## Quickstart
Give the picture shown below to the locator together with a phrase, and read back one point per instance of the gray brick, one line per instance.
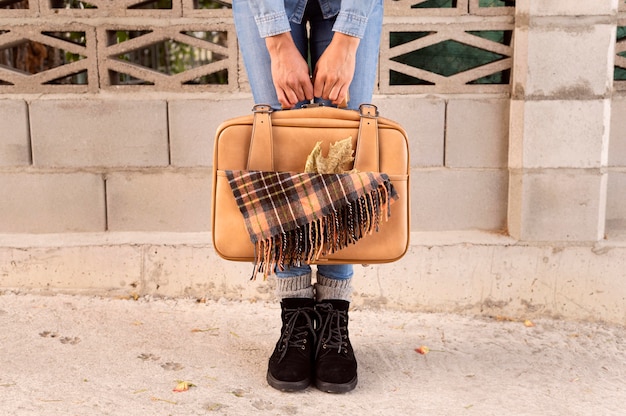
(559, 134)
(159, 201)
(477, 133)
(617, 142)
(99, 132)
(193, 124)
(616, 203)
(424, 121)
(557, 205)
(14, 134)
(551, 58)
(51, 202)
(458, 199)
(576, 8)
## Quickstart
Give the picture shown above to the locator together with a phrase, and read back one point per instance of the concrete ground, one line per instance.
(86, 355)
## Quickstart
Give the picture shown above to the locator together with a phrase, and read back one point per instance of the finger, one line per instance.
(341, 98)
(291, 103)
(324, 90)
(337, 93)
(282, 99)
(308, 89)
(321, 86)
(293, 95)
(318, 86)
(343, 103)
(299, 92)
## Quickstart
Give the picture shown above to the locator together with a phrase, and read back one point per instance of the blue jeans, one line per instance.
(257, 60)
(311, 43)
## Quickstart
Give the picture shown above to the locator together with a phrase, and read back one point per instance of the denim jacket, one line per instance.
(273, 16)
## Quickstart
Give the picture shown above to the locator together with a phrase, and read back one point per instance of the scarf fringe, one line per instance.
(327, 235)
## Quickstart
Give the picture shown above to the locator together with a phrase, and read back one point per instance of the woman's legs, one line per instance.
(366, 73)
(333, 280)
(258, 64)
(289, 365)
(295, 281)
(256, 58)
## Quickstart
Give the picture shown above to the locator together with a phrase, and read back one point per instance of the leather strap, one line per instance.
(261, 153)
(366, 157)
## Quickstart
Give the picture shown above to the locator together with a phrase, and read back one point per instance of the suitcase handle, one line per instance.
(366, 158)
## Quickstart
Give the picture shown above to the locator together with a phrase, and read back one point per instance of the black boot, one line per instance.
(335, 364)
(291, 363)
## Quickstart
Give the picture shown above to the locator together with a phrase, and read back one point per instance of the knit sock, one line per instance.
(326, 288)
(294, 287)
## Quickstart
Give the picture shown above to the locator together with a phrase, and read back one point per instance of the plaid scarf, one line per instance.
(295, 218)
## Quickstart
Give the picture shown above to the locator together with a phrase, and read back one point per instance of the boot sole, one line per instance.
(287, 386)
(336, 388)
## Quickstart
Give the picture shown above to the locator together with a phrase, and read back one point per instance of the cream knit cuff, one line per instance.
(294, 287)
(326, 288)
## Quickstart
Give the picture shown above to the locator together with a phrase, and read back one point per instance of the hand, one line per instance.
(290, 72)
(335, 69)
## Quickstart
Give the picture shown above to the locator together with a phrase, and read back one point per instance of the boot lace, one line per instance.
(334, 330)
(296, 335)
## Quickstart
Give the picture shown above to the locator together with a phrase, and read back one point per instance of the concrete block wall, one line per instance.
(518, 192)
(99, 133)
(616, 188)
(48, 202)
(176, 201)
(560, 118)
(147, 163)
(458, 159)
(109, 164)
(14, 133)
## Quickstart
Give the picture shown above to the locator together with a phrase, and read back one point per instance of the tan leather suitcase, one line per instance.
(280, 141)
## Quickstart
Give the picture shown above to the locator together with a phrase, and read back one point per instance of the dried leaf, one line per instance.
(339, 155)
(196, 330)
(311, 160)
(183, 386)
(527, 323)
(133, 296)
(422, 350)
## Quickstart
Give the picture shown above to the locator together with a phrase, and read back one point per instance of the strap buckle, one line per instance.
(368, 111)
(262, 108)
